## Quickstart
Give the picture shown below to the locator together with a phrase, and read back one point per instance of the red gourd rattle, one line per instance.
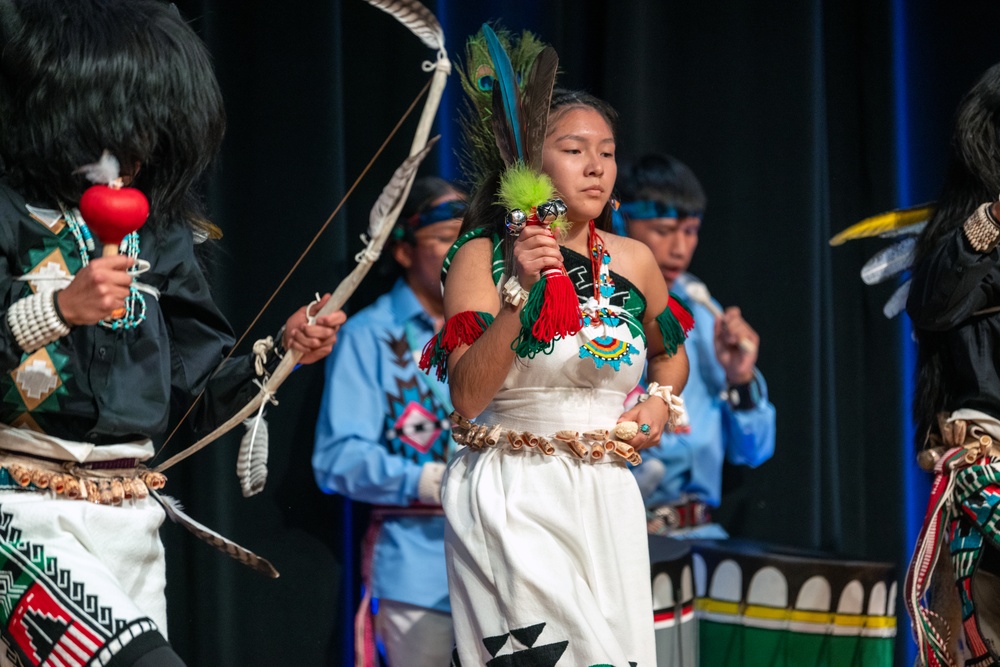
(111, 210)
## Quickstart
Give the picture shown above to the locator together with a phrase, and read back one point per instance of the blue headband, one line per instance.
(449, 210)
(648, 209)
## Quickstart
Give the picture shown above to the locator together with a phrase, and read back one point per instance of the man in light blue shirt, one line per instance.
(730, 417)
(383, 436)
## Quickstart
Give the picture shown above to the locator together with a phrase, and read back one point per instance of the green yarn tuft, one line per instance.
(523, 188)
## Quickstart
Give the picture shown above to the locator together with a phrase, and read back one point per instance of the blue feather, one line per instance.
(507, 80)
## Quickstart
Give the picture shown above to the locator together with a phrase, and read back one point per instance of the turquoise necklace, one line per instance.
(135, 302)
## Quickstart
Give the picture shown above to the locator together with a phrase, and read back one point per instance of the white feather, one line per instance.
(105, 171)
(889, 262)
(176, 513)
(698, 292)
(251, 462)
(897, 302)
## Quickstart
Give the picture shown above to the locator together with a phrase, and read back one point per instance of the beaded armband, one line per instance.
(982, 229)
(463, 328)
(675, 322)
(35, 321)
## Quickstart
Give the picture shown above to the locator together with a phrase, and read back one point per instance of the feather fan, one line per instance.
(895, 259)
(479, 155)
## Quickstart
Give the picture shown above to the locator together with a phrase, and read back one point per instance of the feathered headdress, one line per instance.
(510, 104)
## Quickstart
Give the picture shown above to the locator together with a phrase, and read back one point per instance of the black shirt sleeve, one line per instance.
(952, 283)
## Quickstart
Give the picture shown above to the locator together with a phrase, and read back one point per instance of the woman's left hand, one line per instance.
(652, 412)
(314, 340)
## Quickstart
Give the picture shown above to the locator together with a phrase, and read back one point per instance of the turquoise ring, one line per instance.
(644, 428)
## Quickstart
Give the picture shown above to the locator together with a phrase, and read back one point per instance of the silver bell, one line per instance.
(560, 207)
(516, 219)
(547, 211)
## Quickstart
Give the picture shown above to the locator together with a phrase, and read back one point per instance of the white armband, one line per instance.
(35, 321)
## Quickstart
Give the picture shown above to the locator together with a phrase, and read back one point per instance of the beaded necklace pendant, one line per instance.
(599, 318)
(135, 302)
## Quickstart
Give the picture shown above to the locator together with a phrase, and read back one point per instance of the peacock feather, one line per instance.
(480, 156)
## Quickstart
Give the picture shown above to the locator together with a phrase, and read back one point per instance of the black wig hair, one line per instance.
(129, 76)
(973, 177)
(664, 179)
(484, 211)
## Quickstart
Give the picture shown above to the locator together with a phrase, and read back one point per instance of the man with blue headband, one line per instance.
(730, 416)
(383, 438)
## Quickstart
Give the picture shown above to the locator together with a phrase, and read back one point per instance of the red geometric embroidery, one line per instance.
(48, 633)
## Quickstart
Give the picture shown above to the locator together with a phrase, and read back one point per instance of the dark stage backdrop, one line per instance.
(790, 113)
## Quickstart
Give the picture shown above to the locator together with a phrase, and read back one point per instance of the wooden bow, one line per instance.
(422, 23)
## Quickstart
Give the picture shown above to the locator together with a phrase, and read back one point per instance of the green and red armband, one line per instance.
(675, 322)
(463, 328)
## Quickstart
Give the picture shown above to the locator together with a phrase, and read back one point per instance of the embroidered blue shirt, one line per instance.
(693, 461)
(380, 421)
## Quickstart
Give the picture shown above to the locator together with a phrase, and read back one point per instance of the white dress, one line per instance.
(547, 554)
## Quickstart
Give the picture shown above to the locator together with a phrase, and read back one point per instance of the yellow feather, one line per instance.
(885, 222)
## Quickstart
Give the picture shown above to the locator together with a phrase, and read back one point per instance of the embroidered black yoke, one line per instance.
(104, 386)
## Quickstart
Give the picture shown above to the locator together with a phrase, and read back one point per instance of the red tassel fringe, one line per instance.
(560, 314)
(560, 311)
(681, 313)
(460, 329)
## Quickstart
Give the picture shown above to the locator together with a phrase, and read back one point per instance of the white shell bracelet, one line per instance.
(35, 322)
(513, 293)
(678, 415)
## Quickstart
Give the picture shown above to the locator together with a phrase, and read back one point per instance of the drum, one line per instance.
(674, 620)
(759, 606)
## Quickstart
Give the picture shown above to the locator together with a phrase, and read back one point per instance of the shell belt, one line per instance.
(106, 482)
(587, 445)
